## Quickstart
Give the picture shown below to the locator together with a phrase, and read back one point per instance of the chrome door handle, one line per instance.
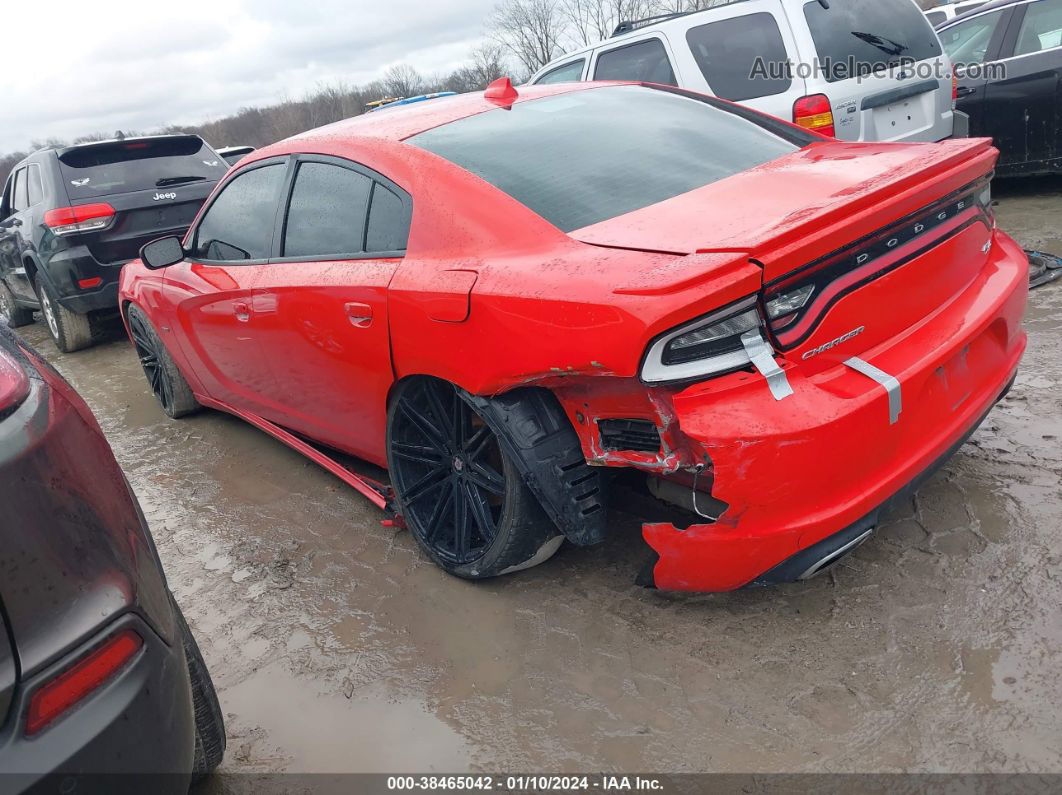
(242, 311)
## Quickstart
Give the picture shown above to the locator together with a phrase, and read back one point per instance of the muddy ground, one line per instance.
(336, 645)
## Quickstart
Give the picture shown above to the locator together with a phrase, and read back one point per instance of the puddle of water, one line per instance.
(329, 733)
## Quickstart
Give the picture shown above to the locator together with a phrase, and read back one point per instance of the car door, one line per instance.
(321, 307)
(210, 295)
(14, 231)
(648, 60)
(973, 45)
(1024, 103)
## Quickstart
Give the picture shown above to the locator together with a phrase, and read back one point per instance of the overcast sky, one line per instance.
(117, 64)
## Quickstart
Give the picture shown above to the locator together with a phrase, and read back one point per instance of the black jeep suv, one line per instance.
(71, 216)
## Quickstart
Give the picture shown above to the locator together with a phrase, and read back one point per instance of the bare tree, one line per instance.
(402, 80)
(592, 20)
(530, 29)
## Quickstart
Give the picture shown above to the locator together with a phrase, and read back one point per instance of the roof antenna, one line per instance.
(501, 92)
(825, 4)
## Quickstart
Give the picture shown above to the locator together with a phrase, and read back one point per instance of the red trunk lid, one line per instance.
(793, 210)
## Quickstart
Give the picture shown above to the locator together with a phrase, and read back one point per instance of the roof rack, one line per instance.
(635, 24)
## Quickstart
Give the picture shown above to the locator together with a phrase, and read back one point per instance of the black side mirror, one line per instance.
(162, 253)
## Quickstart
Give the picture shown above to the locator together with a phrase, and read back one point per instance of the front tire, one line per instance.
(167, 384)
(460, 494)
(70, 331)
(10, 312)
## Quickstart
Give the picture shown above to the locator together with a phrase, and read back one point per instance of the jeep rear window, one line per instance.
(854, 37)
(584, 157)
(124, 166)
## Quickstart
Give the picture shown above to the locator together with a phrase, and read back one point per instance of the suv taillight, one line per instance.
(954, 90)
(74, 220)
(14, 385)
(814, 113)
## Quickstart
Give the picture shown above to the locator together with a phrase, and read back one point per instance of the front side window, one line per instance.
(326, 216)
(967, 42)
(238, 225)
(856, 37)
(568, 73)
(587, 156)
(1041, 29)
(645, 62)
(741, 58)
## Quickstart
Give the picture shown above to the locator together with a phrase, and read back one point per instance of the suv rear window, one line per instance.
(125, 166)
(854, 37)
(588, 156)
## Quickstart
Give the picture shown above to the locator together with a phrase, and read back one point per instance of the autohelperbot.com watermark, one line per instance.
(835, 70)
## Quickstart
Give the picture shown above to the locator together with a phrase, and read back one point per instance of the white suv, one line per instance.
(845, 77)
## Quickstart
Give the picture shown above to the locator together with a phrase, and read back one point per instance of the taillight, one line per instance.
(59, 695)
(74, 220)
(814, 113)
(954, 90)
(14, 385)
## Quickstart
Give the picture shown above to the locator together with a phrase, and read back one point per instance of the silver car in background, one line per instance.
(860, 70)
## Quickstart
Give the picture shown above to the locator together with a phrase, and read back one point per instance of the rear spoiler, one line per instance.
(141, 139)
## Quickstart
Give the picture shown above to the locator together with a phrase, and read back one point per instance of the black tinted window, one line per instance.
(388, 222)
(1041, 29)
(741, 57)
(20, 200)
(854, 37)
(967, 42)
(326, 216)
(563, 74)
(645, 61)
(34, 188)
(239, 223)
(936, 17)
(583, 157)
(138, 164)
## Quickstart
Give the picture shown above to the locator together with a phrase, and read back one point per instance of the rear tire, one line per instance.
(461, 496)
(10, 312)
(209, 721)
(70, 331)
(166, 382)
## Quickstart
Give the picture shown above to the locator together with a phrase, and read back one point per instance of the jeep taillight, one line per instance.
(814, 113)
(75, 220)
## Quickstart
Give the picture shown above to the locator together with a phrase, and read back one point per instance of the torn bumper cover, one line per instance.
(817, 467)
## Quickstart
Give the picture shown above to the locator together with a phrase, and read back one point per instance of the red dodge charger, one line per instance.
(508, 298)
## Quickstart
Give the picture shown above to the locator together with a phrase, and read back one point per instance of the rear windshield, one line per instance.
(585, 157)
(855, 37)
(124, 166)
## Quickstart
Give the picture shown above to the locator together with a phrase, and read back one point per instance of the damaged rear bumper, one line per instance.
(813, 471)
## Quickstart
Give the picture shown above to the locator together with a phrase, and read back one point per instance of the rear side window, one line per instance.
(1041, 29)
(567, 73)
(326, 216)
(588, 156)
(238, 225)
(736, 56)
(145, 164)
(967, 42)
(34, 187)
(645, 61)
(388, 222)
(855, 37)
(20, 200)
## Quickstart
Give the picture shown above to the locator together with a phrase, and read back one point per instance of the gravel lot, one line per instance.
(336, 646)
